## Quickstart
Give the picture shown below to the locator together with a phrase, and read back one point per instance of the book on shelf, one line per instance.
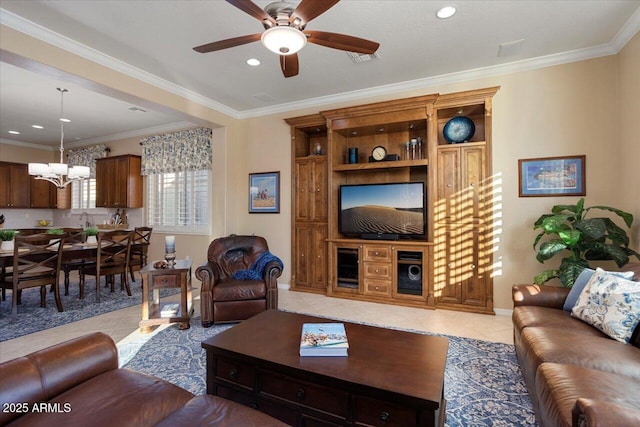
(323, 339)
(169, 310)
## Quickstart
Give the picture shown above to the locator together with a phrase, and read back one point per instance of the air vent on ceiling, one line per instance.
(512, 48)
(362, 57)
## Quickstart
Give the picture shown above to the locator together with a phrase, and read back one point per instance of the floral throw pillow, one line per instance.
(611, 304)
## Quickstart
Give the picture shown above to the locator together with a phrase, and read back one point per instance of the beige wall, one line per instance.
(589, 107)
(628, 114)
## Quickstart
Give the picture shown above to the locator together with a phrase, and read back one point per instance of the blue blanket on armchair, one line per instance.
(256, 271)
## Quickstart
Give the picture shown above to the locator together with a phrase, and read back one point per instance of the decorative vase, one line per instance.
(459, 129)
(7, 245)
(92, 240)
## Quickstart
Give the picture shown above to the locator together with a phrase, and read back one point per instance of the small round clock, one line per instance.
(379, 153)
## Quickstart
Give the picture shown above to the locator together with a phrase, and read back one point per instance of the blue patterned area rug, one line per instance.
(39, 319)
(483, 382)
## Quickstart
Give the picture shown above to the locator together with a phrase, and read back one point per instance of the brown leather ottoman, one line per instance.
(208, 410)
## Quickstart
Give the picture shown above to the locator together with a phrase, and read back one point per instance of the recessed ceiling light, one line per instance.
(446, 12)
(254, 62)
(37, 127)
(14, 132)
(62, 119)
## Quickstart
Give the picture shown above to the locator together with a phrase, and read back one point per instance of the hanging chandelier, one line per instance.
(59, 174)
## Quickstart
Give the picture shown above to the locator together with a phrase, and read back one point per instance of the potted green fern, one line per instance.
(7, 236)
(583, 238)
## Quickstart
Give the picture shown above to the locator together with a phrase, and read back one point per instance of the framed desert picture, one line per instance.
(552, 176)
(264, 192)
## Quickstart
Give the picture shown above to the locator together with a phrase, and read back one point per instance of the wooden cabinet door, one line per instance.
(120, 179)
(302, 186)
(318, 196)
(448, 183)
(302, 256)
(103, 178)
(5, 185)
(319, 260)
(472, 175)
(464, 275)
(460, 175)
(310, 256)
(43, 194)
(15, 187)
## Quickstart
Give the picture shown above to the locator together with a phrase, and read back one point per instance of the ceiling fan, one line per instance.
(285, 32)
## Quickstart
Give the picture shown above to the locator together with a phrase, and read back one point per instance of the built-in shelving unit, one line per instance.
(448, 266)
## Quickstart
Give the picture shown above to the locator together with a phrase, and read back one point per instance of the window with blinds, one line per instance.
(83, 194)
(179, 201)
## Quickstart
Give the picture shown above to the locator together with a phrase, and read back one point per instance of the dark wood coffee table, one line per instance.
(389, 378)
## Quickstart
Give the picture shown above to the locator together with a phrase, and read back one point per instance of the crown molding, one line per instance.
(457, 77)
(628, 30)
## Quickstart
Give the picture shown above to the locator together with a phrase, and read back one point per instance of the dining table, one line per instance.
(69, 251)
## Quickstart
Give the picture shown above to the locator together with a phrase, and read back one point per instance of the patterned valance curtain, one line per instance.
(87, 157)
(186, 150)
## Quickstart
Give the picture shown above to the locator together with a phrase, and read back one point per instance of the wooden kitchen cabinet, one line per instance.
(43, 194)
(14, 185)
(118, 182)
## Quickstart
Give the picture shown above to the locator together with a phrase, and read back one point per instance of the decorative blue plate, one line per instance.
(459, 129)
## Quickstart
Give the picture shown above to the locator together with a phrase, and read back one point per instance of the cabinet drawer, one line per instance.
(314, 396)
(284, 414)
(377, 287)
(165, 281)
(235, 372)
(377, 270)
(374, 412)
(377, 253)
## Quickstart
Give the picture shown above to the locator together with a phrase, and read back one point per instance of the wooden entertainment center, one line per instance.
(450, 266)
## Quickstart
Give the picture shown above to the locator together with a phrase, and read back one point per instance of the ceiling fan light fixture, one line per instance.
(283, 40)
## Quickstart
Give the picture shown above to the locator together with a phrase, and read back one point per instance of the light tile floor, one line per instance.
(122, 325)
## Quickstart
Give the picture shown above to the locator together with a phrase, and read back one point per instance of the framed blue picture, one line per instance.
(552, 176)
(264, 192)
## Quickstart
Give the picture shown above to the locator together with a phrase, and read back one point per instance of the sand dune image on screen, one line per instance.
(381, 219)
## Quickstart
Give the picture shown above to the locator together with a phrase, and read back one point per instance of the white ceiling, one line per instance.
(153, 41)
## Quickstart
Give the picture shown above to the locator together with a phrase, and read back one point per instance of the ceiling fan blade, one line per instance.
(224, 44)
(249, 7)
(341, 41)
(309, 9)
(289, 65)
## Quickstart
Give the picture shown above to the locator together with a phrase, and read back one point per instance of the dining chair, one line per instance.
(72, 236)
(36, 263)
(139, 247)
(112, 258)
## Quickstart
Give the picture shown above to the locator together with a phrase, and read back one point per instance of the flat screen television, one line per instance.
(382, 211)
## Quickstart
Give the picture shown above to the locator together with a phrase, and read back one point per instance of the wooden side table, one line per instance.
(154, 279)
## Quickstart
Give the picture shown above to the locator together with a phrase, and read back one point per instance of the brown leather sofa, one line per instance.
(225, 298)
(575, 374)
(78, 383)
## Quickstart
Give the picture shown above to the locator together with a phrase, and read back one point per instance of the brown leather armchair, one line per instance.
(239, 280)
